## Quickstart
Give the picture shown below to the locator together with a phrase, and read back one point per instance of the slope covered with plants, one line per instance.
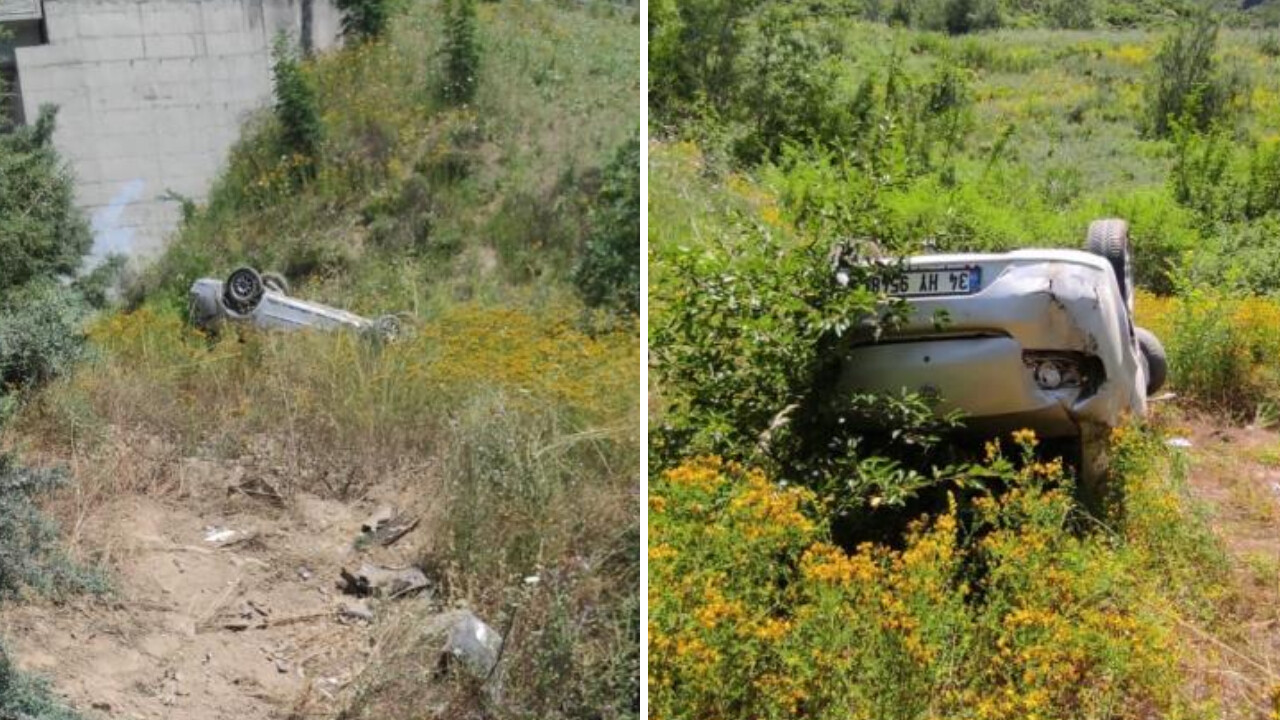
(471, 167)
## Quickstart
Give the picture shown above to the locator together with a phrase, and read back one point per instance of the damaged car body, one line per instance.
(1039, 339)
(263, 300)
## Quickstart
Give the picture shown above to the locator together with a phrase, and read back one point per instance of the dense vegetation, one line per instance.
(462, 166)
(43, 240)
(897, 574)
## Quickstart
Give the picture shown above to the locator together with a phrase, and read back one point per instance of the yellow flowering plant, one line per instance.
(994, 606)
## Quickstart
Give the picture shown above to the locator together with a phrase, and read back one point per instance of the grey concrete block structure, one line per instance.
(152, 95)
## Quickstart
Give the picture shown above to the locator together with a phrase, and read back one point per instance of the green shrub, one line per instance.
(1221, 344)
(297, 112)
(42, 232)
(609, 271)
(745, 346)
(966, 16)
(364, 19)
(694, 51)
(1187, 83)
(461, 52)
(30, 553)
(1201, 177)
(23, 696)
(788, 87)
(1071, 14)
(41, 334)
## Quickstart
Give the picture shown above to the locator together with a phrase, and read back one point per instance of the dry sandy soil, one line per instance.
(251, 627)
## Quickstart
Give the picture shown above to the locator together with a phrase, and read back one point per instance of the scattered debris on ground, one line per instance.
(376, 581)
(223, 610)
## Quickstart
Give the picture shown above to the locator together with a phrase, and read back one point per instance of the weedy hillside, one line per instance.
(473, 168)
(898, 575)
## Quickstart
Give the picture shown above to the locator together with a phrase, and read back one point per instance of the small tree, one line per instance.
(363, 19)
(42, 233)
(461, 52)
(609, 273)
(1187, 84)
(297, 110)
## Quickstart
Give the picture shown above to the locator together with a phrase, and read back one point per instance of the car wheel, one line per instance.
(275, 282)
(388, 327)
(1110, 239)
(243, 290)
(1157, 362)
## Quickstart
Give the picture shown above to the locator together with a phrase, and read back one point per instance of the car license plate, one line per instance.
(935, 281)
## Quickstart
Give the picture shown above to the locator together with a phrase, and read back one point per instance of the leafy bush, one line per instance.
(364, 19)
(609, 271)
(789, 84)
(965, 16)
(42, 232)
(41, 334)
(745, 345)
(22, 696)
(297, 111)
(461, 52)
(1187, 83)
(694, 50)
(30, 553)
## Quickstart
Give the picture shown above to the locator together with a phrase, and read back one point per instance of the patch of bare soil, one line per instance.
(226, 605)
(1234, 473)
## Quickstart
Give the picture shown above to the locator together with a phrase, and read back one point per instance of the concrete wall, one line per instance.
(152, 95)
(19, 10)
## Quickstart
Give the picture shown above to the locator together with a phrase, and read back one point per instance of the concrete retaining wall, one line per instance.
(152, 95)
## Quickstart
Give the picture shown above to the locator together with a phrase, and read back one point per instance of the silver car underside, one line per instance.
(272, 308)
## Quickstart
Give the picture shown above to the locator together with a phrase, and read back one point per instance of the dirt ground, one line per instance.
(1234, 474)
(241, 628)
(172, 641)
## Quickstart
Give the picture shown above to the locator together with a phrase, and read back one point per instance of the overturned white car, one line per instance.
(1039, 339)
(264, 301)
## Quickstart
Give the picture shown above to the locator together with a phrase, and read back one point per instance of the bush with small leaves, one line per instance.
(42, 232)
(297, 111)
(609, 272)
(461, 53)
(363, 19)
(1188, 84)
(40, 333)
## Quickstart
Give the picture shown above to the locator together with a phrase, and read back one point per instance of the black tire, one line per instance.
(388, 327)
(1110, 239)
(1157, 362)
(243, 290)
(275, 282)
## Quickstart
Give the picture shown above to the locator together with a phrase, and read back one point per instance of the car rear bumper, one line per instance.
(973, 360)
(984, 378)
